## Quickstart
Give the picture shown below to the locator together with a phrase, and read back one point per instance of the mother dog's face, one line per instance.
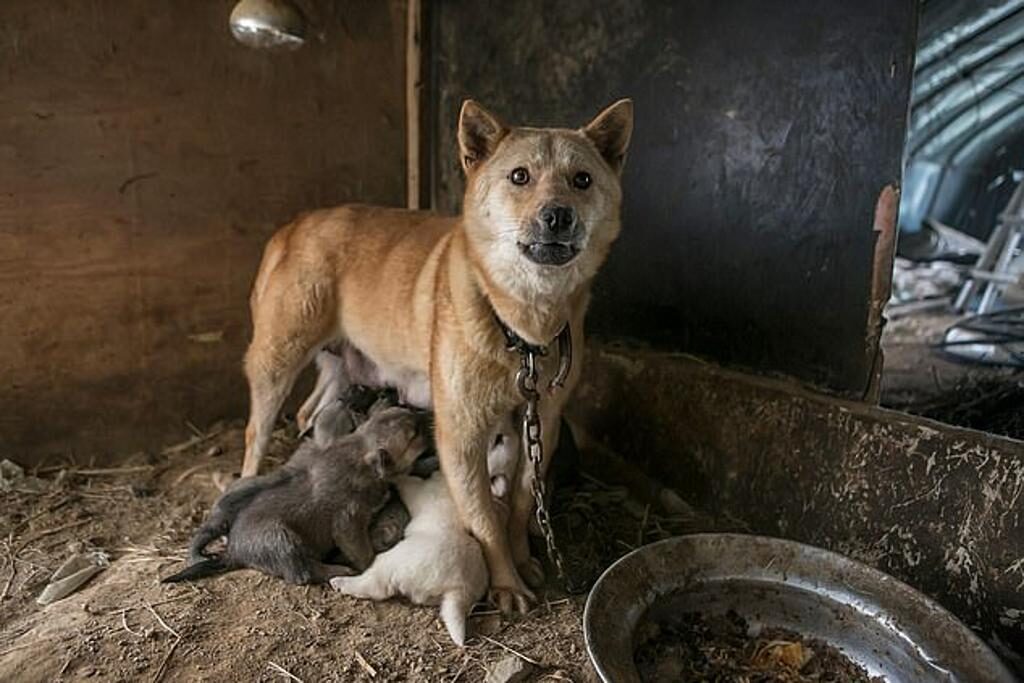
(542, 204)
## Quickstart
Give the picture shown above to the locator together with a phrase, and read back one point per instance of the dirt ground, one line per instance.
(919, 379)
(125, 625)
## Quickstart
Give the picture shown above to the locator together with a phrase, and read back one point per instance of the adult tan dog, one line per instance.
(410, 299)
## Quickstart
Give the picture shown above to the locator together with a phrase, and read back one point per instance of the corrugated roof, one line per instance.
(967, 98)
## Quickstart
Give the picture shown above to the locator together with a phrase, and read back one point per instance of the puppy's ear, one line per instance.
(610, 132)
(480, 131)
(380, 462)
(332, 424)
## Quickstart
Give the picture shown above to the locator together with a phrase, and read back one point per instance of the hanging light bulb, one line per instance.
(268, 24)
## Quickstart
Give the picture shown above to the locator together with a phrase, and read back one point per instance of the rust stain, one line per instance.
(886, 211)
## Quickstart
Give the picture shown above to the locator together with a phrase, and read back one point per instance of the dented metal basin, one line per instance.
(877, 621)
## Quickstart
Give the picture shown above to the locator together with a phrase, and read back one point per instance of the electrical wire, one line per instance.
(1003, 329)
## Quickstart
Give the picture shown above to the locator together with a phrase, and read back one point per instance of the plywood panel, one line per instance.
(145, 157)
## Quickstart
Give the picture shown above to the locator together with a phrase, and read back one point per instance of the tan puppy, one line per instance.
(409, 299)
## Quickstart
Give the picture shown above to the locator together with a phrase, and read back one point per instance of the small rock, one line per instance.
(10, 473)
(13, 477)
(214, 451)
(512, 669)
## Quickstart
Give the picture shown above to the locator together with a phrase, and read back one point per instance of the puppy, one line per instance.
(436, 563)
(427, 304)
(503, 459)
(345, 374)
(287, 522)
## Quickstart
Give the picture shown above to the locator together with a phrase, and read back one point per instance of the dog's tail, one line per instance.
(199, 570)
(455, 606)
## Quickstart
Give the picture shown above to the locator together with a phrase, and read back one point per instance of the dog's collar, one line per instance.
(513, 342)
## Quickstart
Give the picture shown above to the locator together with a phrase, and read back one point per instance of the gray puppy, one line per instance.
(287, 522)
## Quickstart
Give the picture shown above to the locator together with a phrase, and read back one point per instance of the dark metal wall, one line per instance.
(765, 133)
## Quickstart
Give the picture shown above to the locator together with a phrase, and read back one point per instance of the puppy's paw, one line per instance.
(340, 583)
(339, 570)
(532, 572)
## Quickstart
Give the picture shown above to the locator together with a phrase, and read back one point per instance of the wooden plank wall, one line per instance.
(145, 157)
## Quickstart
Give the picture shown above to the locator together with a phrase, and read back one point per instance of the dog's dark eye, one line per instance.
(581, 180)
(519, 176)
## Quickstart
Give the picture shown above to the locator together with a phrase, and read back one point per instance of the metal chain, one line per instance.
(526, 381)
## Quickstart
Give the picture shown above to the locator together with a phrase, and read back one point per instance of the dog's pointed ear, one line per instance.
(610, 132)
(380, 462)
(480, 131)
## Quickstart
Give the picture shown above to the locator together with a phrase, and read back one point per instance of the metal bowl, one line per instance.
(882, 624)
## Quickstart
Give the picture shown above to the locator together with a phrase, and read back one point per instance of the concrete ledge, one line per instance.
(937, 506)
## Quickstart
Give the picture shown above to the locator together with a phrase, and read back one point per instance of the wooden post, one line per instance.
(413, 106)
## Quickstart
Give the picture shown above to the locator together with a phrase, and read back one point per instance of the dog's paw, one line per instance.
(510, 601)
(340, 583)
(532, 572)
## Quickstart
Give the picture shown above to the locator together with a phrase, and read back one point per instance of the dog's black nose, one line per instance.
(557, 223)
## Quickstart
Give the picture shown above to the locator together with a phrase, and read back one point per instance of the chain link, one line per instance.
(532, 436)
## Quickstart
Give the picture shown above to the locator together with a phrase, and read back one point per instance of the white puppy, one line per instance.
(437, 562)
(503, 458)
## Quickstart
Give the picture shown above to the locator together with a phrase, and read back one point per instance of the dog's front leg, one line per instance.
(523, 503)
(461, 431)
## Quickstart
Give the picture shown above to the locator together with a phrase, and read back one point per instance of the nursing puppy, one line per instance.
(436, 563)
(503, 459)
(287, 522)
(413, 300)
